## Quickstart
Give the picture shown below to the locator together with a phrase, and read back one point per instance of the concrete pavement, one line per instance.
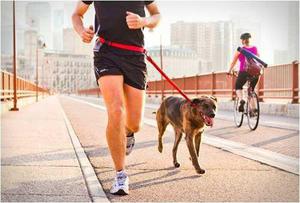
(153, 178)
(39, 162)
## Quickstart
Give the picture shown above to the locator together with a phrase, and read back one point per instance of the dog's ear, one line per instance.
(196, 101)
(214, 98)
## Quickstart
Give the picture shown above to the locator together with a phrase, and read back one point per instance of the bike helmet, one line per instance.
(245, 36)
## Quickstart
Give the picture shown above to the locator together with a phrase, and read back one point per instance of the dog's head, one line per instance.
(205, 107)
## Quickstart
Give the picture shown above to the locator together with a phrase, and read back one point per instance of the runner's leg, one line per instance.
(111, 87)
(134, 106)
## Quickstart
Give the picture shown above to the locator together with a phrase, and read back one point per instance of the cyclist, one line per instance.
(243, 75)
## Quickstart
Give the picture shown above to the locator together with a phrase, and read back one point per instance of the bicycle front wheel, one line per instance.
(253, 111)
(238, 116)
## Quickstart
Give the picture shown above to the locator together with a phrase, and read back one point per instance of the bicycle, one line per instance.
(252, 110)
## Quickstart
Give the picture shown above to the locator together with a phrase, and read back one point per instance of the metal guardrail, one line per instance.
(24, 88)
(277, 82)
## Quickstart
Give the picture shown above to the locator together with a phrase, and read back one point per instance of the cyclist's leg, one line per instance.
(253, 82)
(111, 87)
(240, 82)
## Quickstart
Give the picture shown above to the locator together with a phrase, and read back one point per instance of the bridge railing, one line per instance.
(277, 82)
(24, 88)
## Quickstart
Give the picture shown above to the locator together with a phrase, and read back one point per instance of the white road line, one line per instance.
(94, 187)
(288, 126)
(274, 159)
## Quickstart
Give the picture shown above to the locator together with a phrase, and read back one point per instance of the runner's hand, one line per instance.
(87, 34)
(134, 21)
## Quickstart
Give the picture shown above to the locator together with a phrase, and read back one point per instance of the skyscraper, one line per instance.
(211, 40)
(38, 17)
(293, 31)
(72, 43)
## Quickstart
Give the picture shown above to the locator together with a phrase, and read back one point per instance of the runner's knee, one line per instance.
(116, 113)
(134, 127)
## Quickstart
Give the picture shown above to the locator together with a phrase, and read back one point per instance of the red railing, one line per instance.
(24, 88)
(277, 82)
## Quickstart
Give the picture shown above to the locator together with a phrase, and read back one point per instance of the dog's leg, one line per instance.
(178, 135)
(198, 142)
(190, 145)
(162, 125)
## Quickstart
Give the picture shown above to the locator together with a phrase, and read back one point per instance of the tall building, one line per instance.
(293, 31)
(66, 73)
(72, 43)
(177, 62)
(30, 46)
(211, 40)
(58, 23)
(38, 17)
(6, 27)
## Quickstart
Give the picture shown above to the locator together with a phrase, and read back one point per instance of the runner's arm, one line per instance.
(154, 17)
(86, 34)
(134, 21)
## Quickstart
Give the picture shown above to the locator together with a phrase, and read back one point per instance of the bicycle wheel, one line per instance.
(253, 111)
(238, 116)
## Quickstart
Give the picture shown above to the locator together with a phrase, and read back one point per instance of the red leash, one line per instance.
(142, 50)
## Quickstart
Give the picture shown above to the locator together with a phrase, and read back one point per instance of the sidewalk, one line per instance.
(39, 162)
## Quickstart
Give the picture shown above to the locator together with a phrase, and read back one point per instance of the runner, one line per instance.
(243, 74)
(121, 74)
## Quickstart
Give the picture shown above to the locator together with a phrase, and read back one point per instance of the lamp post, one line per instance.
(15, 108)
(40, 45)
(161, 65)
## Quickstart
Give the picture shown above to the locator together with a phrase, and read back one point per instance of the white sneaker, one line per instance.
(120, 186)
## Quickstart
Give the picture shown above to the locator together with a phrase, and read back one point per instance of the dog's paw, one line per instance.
(177, 165)
(160, 149)
(200, 171)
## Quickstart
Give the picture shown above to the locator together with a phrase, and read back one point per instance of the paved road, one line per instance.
(153, 178)
(279, 134)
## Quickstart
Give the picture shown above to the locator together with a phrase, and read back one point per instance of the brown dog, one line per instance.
(187, 119)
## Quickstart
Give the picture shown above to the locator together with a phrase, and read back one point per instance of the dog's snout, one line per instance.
(212, 115)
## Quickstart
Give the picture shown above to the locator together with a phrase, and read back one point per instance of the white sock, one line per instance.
(121, 173)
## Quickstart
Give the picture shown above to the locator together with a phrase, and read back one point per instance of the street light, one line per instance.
(40, 45)
(15, 108)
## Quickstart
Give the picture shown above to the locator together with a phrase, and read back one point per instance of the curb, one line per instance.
(95, 189)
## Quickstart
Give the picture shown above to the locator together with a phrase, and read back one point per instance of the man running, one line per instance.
(121, 74)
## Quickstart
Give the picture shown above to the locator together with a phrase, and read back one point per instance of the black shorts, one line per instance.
(132, 67)
(242, 79)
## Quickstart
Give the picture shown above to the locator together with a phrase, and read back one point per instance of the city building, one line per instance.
(65, 72)
(281, 56)
(38, 17)
(177, 62)
(212, 41)
(72, 43)
(293, 31)
(58, 23)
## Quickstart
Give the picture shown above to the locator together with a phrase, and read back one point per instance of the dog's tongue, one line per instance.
(209, 121)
